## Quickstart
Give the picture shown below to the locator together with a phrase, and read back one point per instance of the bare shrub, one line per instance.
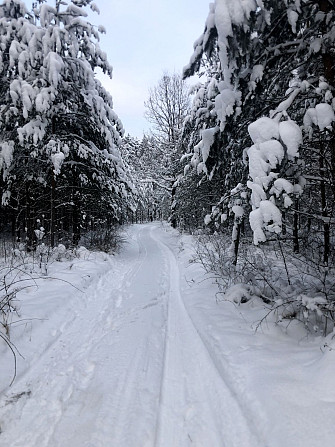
(11, 282)
(20, 269)
(290, 285)
(108, 240)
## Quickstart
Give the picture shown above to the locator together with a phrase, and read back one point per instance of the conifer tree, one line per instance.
(59, 133)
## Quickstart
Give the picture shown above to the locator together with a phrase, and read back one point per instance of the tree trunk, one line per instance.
(328, 59)
(29, 221)
(76, 224)
(173, 219)
(52, 211)
(236, 238)
(324, 212)
(296, 247)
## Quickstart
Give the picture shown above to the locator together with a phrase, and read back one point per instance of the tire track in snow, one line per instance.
(122, 366)
(140, 323)
(197, 405)
(78, 307)
(128, 361)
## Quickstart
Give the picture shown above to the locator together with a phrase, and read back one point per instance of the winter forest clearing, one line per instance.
(177, 289)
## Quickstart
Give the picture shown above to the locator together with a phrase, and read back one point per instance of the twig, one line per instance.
(10, 345)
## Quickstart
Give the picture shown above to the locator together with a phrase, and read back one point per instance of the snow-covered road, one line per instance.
(144, 356)
(128, 368)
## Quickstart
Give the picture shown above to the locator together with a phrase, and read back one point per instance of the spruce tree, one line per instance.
(60, 136)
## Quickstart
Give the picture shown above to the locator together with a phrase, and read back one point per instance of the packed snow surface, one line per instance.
(134, 350)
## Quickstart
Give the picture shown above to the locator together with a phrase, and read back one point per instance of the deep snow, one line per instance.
(135, 350)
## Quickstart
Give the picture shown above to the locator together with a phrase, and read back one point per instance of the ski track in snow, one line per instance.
(197, 406)
(128, 369)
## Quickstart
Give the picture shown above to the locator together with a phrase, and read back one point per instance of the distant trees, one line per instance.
(167, 108)
(59, 136)
(143, 160)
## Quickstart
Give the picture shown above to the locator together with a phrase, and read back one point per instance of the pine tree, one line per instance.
(60, 135)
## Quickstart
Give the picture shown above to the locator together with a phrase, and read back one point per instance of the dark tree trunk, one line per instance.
(29, 220)
(324, 212)
(237, 238)
(296, 247)
(76, 224)
(52, 211)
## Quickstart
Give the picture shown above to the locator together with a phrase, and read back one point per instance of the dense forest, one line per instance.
(244, 158)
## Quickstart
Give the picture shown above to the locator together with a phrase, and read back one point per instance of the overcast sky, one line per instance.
(145, 38)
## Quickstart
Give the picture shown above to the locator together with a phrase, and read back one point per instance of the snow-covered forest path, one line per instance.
(129, 368)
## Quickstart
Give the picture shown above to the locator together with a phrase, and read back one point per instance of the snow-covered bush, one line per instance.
(8, 291)
(289, 285)
(215, 254)
(274, 179)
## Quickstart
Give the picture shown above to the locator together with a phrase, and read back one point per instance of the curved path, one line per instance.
(130, 369)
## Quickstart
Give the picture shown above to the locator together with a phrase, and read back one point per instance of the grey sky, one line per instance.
(145, 38)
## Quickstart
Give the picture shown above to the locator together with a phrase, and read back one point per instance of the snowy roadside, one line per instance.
(46, 305)
(284, 378)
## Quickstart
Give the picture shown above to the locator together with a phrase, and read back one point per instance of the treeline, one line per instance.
(249, 152)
